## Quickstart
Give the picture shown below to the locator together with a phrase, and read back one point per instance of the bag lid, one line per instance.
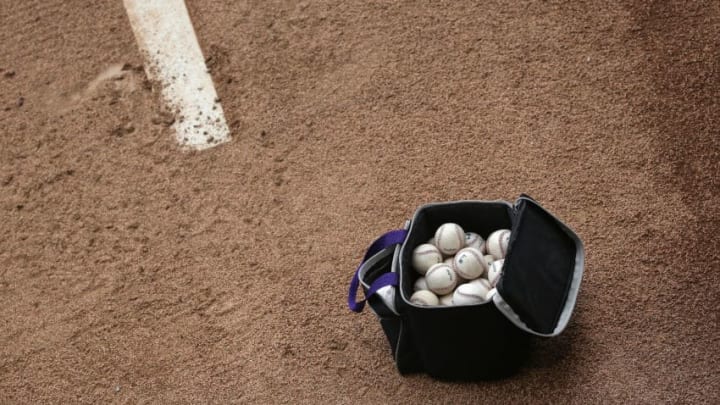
(542, 271)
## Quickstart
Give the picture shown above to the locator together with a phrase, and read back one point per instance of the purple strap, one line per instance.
(385, 241)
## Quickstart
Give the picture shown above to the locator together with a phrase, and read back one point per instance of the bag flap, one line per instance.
(542, 271)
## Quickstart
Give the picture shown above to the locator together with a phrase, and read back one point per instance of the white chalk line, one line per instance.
(166, 38)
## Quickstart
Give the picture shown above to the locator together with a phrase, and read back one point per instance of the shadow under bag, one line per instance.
(536, 292)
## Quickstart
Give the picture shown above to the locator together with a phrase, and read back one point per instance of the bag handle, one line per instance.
(385, 241)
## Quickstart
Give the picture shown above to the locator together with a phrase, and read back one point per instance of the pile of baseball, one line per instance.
(458, 267)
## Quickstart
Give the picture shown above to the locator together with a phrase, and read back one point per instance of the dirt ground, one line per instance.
(134, 272)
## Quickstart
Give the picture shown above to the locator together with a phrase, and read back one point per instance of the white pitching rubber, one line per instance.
(167, 40)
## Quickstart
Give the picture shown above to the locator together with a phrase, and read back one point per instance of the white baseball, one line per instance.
(450, 261)
(474, 240)
(446, 300)
(441, 279)
(420, 284)
(497, 243)
(425, 256)
(488, 259)
(449, 238)
(469, 263)
(468, 294)
(483, 283)
(494, 271)
(424, 298)
(491, 293)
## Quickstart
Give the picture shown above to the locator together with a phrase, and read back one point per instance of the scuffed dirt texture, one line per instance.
(132, 271)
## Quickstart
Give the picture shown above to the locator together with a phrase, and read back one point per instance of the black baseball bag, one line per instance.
(535, 293)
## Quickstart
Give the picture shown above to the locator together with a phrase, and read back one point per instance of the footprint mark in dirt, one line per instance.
(116, 81)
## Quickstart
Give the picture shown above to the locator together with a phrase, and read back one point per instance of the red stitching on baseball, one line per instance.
(475, 255)
(438, 238)
(421, 253)
(470, 295)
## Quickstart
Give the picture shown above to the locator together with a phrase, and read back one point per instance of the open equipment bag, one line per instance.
(536, 291)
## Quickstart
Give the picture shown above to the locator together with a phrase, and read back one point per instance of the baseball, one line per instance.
(494, 271)
(497, 243)
(483, 284)
(441, 279)
(449, 238)
(488, 259)
(474, 240)
(424, 298)
(450, 261)
(425, 256)
(420, 284)
(446, 300)
(468, 294)
(469, 263)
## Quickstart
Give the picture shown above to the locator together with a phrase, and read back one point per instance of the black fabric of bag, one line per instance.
(538, 268)
(467, 342)
(392, 324)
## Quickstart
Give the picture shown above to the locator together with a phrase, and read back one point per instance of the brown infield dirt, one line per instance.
(134, 272)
